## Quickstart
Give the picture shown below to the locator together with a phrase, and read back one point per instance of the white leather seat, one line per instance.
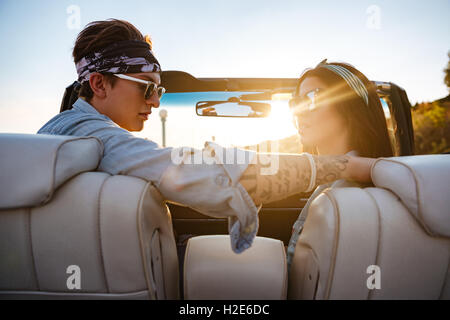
(56, 213)
(402, 226)
(212, 271)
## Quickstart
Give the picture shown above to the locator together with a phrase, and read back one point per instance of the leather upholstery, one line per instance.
(34, 166)
(350, 229)
(416, 183)
(117, 229)
(212, 271)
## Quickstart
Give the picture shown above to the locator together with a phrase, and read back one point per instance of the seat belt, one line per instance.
(298, 225)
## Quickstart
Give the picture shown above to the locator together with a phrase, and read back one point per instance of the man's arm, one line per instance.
(294, 174)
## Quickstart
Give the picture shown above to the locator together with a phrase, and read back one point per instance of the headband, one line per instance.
(130, 56)
(353, 81)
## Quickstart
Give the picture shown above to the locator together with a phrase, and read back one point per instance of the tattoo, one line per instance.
(330, 168)
(293, 176)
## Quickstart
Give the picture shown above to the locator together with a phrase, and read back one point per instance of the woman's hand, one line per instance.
(359, 169)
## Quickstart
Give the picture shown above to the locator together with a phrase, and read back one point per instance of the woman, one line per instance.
(337, 111)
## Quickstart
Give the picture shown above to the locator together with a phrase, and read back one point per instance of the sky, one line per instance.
(402, 41)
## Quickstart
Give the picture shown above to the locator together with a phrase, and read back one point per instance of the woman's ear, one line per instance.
(98, 85)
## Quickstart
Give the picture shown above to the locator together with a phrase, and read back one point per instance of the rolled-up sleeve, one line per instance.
(208, 181)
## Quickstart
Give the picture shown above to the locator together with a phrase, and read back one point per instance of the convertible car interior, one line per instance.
(124, 241)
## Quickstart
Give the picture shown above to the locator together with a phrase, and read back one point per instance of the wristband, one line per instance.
(312, 181)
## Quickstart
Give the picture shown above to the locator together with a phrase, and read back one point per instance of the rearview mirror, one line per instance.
(234, 108)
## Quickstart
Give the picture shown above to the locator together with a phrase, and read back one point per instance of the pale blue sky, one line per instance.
(225, 38)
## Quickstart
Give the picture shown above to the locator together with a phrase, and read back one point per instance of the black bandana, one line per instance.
(131, 56)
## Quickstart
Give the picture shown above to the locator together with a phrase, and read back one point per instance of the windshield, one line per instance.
(185, 128)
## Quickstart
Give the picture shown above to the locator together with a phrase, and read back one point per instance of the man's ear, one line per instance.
(98, 85)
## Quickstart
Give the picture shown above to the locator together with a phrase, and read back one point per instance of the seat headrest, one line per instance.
(33, 166)
(423, 185)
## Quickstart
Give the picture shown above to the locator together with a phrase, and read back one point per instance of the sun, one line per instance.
(280, 120)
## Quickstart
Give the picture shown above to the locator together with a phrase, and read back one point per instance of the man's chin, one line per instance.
(135, 127)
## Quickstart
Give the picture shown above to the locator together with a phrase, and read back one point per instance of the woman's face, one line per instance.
(322, 127)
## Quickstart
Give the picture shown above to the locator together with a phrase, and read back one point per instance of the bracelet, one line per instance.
(312, 181)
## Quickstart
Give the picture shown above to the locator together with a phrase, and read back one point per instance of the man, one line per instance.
(120, 86)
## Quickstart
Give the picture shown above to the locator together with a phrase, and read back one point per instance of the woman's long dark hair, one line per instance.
(367, 126)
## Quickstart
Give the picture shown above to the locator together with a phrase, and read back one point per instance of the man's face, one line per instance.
(125, 103)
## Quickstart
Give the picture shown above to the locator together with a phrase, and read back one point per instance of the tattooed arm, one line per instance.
(294, 173)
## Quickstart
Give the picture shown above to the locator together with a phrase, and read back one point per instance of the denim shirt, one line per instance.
(211, 186)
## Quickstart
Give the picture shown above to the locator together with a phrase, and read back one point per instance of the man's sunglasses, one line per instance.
(150, 88)
(308, 102)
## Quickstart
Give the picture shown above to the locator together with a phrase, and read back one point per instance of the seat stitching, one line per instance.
(186, 263)
(55, 158)
(162, 265)
(32, 251)
(81, 295)
(329, 194)
(102, 259)
(419, 203)
(140, 225)
(377, 255)
(161, 206)
(285, 274)
(316, 261)
(446, 278)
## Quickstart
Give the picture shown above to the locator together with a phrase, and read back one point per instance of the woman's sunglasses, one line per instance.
(150, 88)
(308, 102)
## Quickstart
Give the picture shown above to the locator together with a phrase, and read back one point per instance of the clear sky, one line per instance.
(402, 41)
